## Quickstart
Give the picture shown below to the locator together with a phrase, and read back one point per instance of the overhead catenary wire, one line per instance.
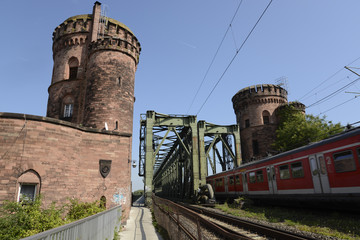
(332, 94)
(337, 105)
(327, 79)
(213, 59)
(237, 51)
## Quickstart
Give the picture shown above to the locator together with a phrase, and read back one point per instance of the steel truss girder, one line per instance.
(219, 133)
(173, 155)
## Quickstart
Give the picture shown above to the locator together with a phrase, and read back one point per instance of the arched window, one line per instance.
(103, 202)
(73, 67)
(28, 186)
(266, 117)
(67, 107)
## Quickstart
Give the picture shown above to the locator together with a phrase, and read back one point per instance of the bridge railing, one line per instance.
(97, 227)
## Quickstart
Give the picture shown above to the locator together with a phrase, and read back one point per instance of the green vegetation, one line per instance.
(332, 224)
(297, 129)
(137, 194)
(162, 231)
(19, 220)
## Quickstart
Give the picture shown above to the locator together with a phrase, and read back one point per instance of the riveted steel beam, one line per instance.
(174, 152)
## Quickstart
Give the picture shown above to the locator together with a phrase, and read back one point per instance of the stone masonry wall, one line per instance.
(110, 91)
(66, 159)
(250, 105)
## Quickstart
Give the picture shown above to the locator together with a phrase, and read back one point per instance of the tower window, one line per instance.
(118, 80)
(68, 110)
(27, 192)
(28, 186)
(73, 67)
(73, 72)
(255, 146)
(266, 117)
(247, 123)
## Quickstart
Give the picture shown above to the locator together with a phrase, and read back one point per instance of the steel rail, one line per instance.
(171, 208)
(254, 227)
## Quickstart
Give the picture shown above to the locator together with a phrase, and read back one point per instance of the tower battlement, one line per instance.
(95, 60)
(257, 94)
(117, 44)
(255, 107)
(260, 90)
(75, 24)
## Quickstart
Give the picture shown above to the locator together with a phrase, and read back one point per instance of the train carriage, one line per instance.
(326, 171)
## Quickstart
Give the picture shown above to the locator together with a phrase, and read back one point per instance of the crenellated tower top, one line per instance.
(95, 60)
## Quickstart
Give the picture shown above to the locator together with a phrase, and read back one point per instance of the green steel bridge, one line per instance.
(177, 151)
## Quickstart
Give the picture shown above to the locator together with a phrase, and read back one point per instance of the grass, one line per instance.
(162, 231)
(330, 223)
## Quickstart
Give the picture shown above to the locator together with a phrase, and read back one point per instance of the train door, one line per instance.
(323, 173)
(319, 173)
(271, 179)
(245, 185)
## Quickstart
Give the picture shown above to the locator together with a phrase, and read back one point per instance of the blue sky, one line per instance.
(305, 41)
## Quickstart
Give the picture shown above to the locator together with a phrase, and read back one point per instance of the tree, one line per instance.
(297, 129)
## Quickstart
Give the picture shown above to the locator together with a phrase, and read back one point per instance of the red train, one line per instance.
(323, 172)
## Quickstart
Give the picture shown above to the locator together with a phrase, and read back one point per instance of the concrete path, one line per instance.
(139, 225)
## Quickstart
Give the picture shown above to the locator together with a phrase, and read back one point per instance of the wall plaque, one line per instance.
(104, 167)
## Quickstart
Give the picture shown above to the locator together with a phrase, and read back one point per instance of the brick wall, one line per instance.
(66, 159)
(250, 105)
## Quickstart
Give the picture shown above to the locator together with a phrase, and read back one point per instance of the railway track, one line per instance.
(200, 223)
(246, 228)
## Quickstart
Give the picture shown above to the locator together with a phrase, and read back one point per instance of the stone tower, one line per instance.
(255, 114)
(95, 60)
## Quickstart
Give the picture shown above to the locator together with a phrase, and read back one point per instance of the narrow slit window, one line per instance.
(255, 146)
(73, 67)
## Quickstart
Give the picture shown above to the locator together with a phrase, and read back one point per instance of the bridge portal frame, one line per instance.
(182, 167)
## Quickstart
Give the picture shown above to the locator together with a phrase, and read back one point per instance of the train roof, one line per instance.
(346, 134)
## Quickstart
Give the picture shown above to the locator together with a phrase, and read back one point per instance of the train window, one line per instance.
(252, 177)
(220, 182)
(284, 172)
(358, 150)
(231, 180)
(237, 180)
(344, 161)
(297, 170)
(259, 176)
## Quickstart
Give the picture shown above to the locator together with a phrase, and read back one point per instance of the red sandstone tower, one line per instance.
(95, 60)
(255, 114)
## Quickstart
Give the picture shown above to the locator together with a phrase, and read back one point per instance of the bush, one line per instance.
(19, 220)
(78, 210)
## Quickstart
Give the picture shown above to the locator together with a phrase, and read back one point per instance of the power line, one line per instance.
(338, 105)
(213, 59)
(237, 51)
(333, 75)
(332, 94)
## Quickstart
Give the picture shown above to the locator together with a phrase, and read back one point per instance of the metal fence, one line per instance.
(100, 226)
